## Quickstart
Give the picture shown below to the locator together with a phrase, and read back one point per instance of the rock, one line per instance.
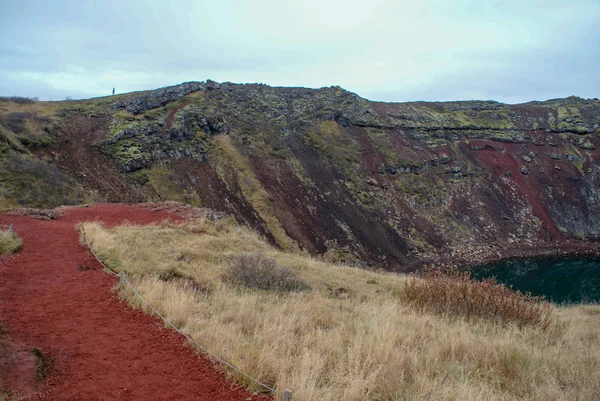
(557, 156)
(159, 97)
(212, 85)
(526, 158)
(524, 170)
(444, 159)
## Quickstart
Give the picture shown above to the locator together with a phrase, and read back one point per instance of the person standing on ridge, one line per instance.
(113, 91)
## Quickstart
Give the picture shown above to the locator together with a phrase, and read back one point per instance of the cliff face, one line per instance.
(324, 170)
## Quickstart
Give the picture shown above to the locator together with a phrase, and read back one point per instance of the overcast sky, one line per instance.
(507, 50)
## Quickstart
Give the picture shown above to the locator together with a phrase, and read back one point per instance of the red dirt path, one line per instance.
(101, 349)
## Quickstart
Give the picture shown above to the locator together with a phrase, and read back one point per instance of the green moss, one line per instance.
(507, 136)
(128, 153)
(579, 159)
(336, 145)
(138, 178)
(419, 191)
(9, 141)
(562, 112)
(382, 142)
(570, 119)
(35, 140)
(436, 143)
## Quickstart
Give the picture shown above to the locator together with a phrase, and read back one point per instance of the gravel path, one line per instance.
(54, 296)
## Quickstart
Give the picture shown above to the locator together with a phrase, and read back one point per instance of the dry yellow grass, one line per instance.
(11, 243)
(360, 343)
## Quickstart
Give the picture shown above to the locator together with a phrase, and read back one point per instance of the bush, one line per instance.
(453, 292)
(17, 121)
(259, 272)
(18, 99)
(31, 182)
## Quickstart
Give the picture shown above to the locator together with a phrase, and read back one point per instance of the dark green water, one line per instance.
(559, 279)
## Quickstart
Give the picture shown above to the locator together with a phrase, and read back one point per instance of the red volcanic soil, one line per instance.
(55, 297)
(171, 116)
(499, 162)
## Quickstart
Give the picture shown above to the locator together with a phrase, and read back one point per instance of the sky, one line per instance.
(510, 50)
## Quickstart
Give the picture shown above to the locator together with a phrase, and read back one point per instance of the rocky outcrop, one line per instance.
(158, 98)
(141, 144)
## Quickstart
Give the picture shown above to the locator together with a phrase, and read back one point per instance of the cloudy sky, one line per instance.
(506, 50)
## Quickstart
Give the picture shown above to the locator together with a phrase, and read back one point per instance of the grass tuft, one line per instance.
(11, 244)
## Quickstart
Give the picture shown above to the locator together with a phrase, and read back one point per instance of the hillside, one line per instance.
(332, 332)
(368, 183)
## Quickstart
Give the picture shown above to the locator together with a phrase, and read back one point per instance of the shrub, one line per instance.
(18, 99)
(17, 121)
(256, 271)
(452, 292)
(31, 182)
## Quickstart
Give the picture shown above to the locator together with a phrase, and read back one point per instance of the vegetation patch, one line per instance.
(31, 182)
(18, 99)
(232, 166)
(29, 127)
(454, 293)
(44, 363)
(169, 186)
(356, 335)
(11, 242)
(259, 272)
(337, 145)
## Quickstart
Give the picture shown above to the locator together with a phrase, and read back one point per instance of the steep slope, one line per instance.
(324, 170)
